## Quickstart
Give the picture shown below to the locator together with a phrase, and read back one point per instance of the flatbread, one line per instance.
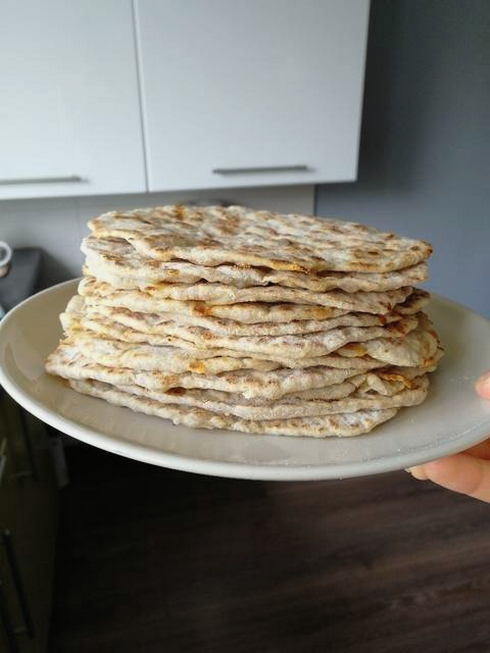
(417, 349)
(215, 293)
(116, 261)
(69, 361)
(214, 235)
(114, 353)
(99, 293)
(342, 424)
(293, 346)
(248, 320)
(341, 397)
(154, 323)
(187, 337)
(256, 385)
(287, 407)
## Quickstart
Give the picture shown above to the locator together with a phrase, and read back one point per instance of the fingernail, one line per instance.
(482, 386)
(418, 472)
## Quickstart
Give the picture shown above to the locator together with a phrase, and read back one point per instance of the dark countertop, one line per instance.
(23, 278)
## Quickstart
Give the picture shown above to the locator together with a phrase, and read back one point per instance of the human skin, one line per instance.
(467, 472)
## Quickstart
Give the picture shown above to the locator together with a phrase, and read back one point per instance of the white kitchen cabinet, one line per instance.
(251, 92)
(106, 98)
(70, 120)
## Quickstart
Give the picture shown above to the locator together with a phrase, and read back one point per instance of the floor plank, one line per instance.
(154, 560)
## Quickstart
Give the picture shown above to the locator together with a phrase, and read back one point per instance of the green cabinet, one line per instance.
(28, 522)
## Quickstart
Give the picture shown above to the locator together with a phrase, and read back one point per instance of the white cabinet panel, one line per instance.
(69, 99)
(228, 87)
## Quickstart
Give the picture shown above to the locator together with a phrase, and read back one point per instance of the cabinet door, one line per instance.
(28, 511)
(69, 111)
(251, 92)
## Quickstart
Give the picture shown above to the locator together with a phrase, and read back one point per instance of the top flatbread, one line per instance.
(215, 235)
(116, 261)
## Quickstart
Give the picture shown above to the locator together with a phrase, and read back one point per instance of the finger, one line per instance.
(481, 450)
(482, 386)
(460, 473)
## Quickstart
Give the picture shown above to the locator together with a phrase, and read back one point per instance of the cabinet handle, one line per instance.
(41, 180)
(19, 586)
(3, 458)
(7, 623)
(241, 171)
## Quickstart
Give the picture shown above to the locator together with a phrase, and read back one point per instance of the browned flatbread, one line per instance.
(342, 424)
(214, 235)
(216, 293)
(154, 323)
(249, 321)
(116, 261)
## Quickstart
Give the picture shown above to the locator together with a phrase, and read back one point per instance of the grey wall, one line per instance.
(425, 146)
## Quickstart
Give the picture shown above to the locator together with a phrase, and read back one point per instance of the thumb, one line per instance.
(460, 473)
(482, 386)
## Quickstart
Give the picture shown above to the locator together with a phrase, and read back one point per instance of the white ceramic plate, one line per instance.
(451, 419)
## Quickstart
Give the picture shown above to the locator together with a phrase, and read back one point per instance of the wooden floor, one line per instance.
(152, 560)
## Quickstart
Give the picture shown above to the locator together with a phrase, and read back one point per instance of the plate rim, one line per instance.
(212, 467)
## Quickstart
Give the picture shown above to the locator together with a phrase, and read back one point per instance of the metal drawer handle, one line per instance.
(7, 622)
(41, 180)
(239, 171)
(19, 586)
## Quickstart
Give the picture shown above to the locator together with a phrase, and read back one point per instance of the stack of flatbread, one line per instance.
(248, 320)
